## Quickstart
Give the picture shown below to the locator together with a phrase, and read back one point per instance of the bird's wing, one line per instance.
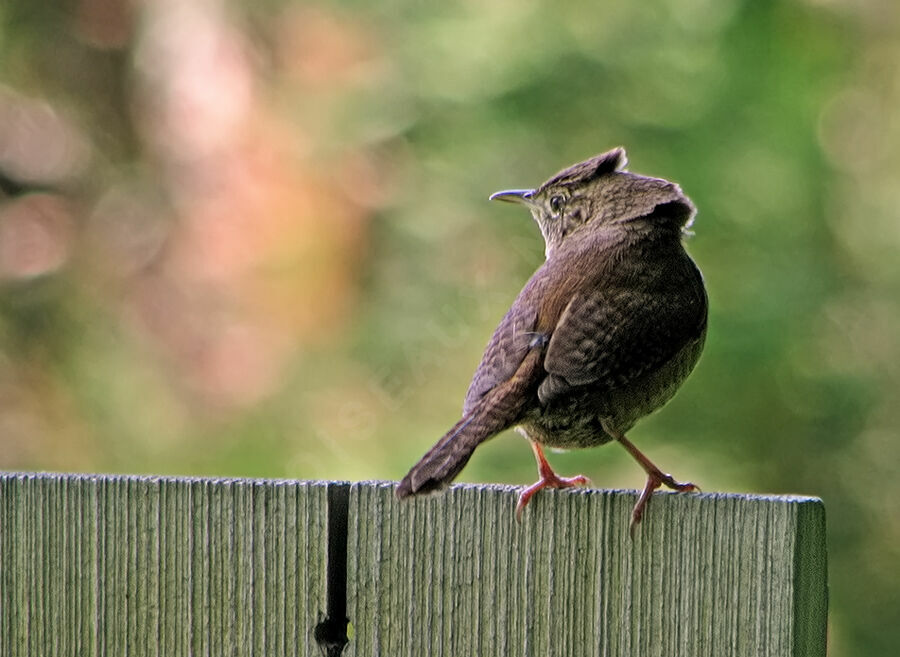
(609, 336)
(504, 353)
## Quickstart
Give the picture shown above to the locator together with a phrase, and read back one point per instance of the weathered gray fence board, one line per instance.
(148, 566)
(93, 565)
(705, 575)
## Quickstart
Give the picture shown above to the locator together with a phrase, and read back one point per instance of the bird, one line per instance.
(603, 333)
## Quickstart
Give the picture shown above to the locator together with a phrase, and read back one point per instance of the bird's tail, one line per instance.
(449, 456)
(500, 409)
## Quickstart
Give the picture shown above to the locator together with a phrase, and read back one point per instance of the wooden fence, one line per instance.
(113, 565)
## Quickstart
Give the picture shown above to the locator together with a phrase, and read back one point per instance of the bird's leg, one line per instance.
(549, 479)
(655, 477)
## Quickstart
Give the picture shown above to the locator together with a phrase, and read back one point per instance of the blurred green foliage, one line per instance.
(253, 238)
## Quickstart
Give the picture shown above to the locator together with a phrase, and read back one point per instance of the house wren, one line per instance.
(603, 334)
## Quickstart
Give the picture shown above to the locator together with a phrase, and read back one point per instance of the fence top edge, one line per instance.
(613, 492)
(8, 475)
(380, 484)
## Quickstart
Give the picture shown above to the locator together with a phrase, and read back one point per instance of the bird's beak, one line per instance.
(514, 196)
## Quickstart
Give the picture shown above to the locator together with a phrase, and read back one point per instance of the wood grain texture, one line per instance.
(710, 575)
(108, 565)
(96, 565)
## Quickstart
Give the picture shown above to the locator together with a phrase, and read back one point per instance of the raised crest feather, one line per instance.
(598, 165)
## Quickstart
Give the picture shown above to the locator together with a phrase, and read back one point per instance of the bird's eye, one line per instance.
(556, 204)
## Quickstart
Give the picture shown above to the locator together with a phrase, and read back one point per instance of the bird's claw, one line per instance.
(552, 481)
(653, 482)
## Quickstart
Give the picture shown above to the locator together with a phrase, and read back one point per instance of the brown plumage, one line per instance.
(603, 333)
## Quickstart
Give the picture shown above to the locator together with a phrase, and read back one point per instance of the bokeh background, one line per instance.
(253, 238)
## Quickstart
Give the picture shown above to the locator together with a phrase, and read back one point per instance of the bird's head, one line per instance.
(599, 192)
